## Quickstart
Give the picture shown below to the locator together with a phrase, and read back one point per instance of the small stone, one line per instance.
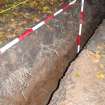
(101, 66)
(77, 74)
(100, 75)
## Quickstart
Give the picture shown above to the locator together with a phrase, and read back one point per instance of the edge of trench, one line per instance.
(73, 61)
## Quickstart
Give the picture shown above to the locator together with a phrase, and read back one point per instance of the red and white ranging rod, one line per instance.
(82, 15)
(29, 31)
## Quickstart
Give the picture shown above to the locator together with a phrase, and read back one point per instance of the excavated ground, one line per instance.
(84, 82)
(30, 70)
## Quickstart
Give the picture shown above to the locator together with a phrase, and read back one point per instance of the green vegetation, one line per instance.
(44, 6)
(17, 15)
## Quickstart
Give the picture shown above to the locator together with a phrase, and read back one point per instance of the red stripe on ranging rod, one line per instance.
(66, 6)
(78, 40)
(49, 18)
(82, 17)
(25, 34)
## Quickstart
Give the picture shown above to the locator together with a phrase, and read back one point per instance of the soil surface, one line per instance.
(84, 82)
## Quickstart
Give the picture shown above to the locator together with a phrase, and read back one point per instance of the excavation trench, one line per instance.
(67, 68)
(30, 71)
(83, 82)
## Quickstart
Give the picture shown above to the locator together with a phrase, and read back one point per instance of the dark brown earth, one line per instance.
(84, 82)
(30, 71)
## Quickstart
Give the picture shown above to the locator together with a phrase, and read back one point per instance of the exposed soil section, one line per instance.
(84, 82)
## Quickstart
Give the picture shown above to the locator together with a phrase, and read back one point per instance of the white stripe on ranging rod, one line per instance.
(38, 25)
(82, 5)
(16, 40)
(80, 29)
(10, 44)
